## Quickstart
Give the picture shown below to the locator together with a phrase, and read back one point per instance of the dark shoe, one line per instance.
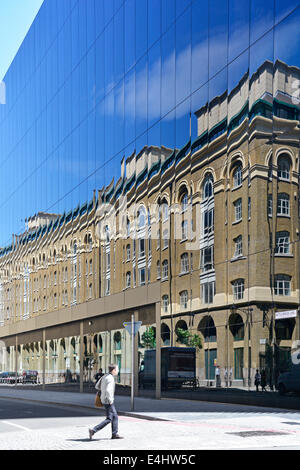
(116, 436)
(91, 433)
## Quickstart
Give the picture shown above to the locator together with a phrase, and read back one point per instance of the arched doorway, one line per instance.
(180, 327)
(237, 330)
(209, 337)
(165, 334)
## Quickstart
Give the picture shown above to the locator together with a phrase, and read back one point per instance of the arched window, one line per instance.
(165, 269)
(141, 218)
(107, 234)
(165, 334)
(183, 299)
(208, 187)
(90, 242)
(284, 167)
(184, 262)
(237, 176)
(128, 279)
(165, 211)
(238, 288)
(184, 201)
(236, 326)
(117, 340)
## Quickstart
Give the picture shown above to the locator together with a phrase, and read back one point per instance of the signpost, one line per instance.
(132, 328)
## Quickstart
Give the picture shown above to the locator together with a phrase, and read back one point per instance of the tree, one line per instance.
(189, 339)
(148, 338)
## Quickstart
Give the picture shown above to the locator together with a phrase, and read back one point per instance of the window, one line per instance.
(282, 284)
(207, 255)
(183, 299)
(184, 202)
(128, 228)
(238, 288)
(238, 246)
(142, 276)
(107, 262)
(90, 291)
(208, 292)
(237, 176)
(141, 247)
(134, 277)
(283, 204)
(74, 294)
(158, 239)
(283, 168)
(158, 269)
(282, 243)
(270, 205)
(208, 219)
(249, 208)
(184, 230)
(165, 303)
(208, 188)
(141, 218)
(128, 253)
(165, 212)
(128, 279)
(90, 243)
(184, 263)
(238, 210)
(91, 266)
(165, 238)
(107, 287)
(165, 270)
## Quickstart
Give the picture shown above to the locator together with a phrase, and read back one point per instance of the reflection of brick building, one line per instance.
(209, 230)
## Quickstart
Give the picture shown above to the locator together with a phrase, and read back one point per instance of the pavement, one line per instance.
(33, 420)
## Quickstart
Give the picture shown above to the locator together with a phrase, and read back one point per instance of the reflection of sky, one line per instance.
(53, 160)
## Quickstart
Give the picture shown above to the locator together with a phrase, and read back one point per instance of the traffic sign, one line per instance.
(136, 326)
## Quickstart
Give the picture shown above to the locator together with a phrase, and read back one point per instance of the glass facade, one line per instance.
(95, 81)
(107, 95)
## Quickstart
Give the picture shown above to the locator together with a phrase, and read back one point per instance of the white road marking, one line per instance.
(16, 425)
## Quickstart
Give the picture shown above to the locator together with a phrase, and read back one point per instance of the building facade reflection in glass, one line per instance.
(177, 102)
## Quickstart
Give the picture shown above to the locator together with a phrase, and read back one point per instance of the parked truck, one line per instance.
(178, 366)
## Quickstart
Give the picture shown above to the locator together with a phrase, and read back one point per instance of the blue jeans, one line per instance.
(111, 417)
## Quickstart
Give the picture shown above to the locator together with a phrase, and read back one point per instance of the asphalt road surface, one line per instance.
(31, 426)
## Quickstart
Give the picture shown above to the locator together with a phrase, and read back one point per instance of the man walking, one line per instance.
(98, 375)
(107, 389)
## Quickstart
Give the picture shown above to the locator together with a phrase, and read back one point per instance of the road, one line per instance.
(32, 426)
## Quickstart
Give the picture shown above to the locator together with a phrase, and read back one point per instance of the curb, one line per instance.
(73, 405)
